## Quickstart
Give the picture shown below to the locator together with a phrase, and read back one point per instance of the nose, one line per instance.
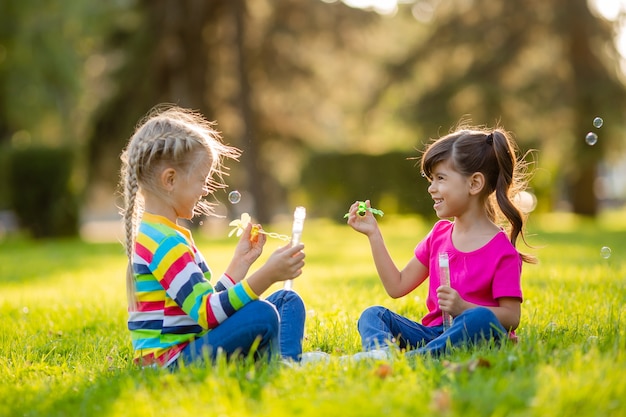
(431, 188)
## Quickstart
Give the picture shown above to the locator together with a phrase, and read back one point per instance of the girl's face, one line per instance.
(450, 190)
(190, 188)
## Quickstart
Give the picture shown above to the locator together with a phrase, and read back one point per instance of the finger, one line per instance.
(292, 250)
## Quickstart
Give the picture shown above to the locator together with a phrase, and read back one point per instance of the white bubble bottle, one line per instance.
(444, 276)
(296, 233)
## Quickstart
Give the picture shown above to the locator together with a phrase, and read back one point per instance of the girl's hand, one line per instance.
(285, 263)
(450, 301)
(366, 223)
(250, 245)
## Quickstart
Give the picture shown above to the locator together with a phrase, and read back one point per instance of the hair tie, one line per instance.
(489, 139)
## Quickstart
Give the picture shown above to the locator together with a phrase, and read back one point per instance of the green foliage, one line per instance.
(4, 186)
(392, 182)
(50, 68)
(41, 191)
(65, 347)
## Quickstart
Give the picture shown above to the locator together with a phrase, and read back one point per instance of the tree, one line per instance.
(544, 69)
(246, 64)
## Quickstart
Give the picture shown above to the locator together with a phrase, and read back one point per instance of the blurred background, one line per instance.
(328, 99)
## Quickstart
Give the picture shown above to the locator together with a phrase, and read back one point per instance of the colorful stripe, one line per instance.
(176, 302)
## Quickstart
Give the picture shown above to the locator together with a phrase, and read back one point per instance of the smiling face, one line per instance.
(450, 190)
(188, 188)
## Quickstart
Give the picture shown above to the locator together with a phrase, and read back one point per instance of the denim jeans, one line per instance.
(379, 327)
(266, 328)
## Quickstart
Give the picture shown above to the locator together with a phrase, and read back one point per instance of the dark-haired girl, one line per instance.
(474, 175)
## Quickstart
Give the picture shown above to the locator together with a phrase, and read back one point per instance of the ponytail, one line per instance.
(510, 180)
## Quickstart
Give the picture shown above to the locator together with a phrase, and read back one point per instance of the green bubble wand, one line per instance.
(362, 209)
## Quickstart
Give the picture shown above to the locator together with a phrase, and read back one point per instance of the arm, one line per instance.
(285, 263)
(174, 265)
(397, 282)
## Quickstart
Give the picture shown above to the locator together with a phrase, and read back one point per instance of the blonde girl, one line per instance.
(172, 161)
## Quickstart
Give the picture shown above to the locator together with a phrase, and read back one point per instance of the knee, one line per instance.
(266, 313)
(371, 314)
(483, 320)
(292, 299)
(481, 314)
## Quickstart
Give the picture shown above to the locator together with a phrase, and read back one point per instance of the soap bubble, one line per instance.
(591, 138)
(234, 197)
(525, 201)
(598, 122)
(605, 252)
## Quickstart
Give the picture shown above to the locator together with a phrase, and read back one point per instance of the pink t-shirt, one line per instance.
(480, 277)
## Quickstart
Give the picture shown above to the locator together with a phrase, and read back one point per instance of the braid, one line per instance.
(131, 212)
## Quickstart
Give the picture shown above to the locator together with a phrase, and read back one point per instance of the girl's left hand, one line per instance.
(249, 248)
(450, 301)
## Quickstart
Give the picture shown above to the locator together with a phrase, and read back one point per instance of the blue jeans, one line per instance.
(265, 328)
(380, 327)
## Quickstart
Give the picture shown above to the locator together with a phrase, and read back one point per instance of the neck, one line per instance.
(155, 206)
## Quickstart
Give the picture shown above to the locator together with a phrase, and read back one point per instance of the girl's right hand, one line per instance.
(366, 223)
(285, 263)
(249, 247)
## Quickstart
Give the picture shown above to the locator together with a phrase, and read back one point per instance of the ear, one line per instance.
(476, 183)
(168, 178)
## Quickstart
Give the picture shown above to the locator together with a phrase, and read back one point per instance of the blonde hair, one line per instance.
(167, 136)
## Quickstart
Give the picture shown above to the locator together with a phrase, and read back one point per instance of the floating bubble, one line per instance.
(598, 122)
(525, 201)
(591, 138)
(234, 197)
(605, 252)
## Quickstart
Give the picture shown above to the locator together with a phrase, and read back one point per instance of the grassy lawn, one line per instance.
(64, 347)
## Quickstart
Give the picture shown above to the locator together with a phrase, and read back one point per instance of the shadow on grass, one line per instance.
(135, 391)
(23, 261)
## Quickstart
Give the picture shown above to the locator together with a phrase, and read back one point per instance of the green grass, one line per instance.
(64, 348)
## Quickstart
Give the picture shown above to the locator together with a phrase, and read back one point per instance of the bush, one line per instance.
(4, 173)
(40, 191)
(391, 181)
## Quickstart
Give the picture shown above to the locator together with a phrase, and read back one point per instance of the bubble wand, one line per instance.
(362, 208)
(444, 277)
(241, 224)
(296, 233)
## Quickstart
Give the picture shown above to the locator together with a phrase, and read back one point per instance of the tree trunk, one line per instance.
(249, 140)
(167, 62)
(587, 97)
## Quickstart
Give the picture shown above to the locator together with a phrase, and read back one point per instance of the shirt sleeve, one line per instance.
(507, 277)
(182, 278)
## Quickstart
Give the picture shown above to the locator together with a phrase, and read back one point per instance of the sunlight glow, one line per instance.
(614, 10)
(610, 9)
(380, 6)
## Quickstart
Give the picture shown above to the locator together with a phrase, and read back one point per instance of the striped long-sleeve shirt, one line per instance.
(176, 303)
